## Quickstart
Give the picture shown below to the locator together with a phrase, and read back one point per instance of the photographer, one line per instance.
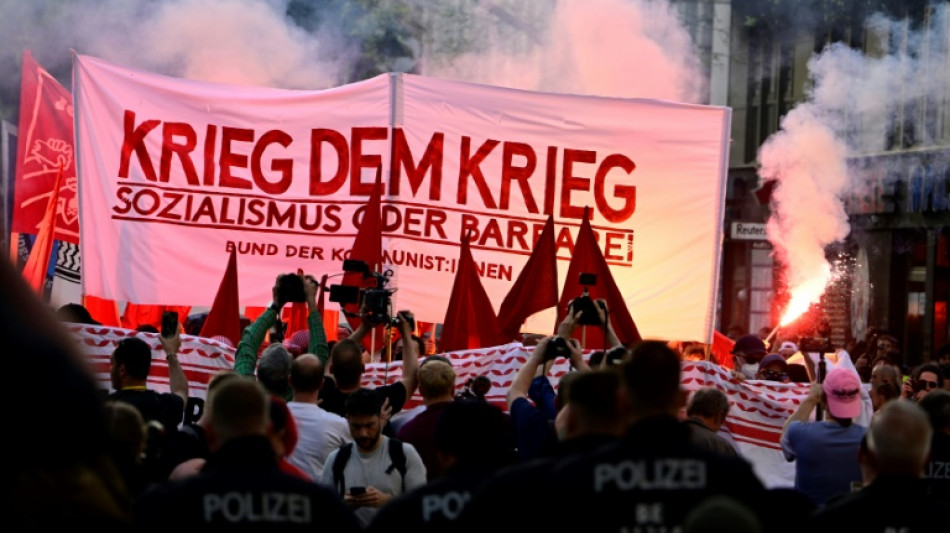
(345, 373)
(534, 422)
(577, 315)
(923, 379)
(275, 360)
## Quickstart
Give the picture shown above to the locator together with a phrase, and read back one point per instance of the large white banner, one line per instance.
(173, 172)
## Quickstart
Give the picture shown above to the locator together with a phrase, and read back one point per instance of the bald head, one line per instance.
(306, 374)
(899, 439)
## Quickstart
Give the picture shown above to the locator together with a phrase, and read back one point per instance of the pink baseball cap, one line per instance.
(843, 389)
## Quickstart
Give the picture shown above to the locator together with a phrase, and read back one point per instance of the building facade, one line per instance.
(894, 266)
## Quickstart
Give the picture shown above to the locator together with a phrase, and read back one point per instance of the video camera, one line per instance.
(375, 299)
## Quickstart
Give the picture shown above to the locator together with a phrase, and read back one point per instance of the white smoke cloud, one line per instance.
(620, 48)
(626, 48)
(249, 42)
(855, 103)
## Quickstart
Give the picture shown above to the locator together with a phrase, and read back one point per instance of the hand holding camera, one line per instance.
(310, 288)
(289, 288)
(557, 346)
(405, 322)
(584, 308)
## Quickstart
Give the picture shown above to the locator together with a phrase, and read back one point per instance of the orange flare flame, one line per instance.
(802, 297)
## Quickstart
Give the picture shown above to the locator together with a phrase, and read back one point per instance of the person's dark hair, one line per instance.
(306, 377)
(239, 407)
(697, 349)
(652, 377)
(927, 367)
(937, 405)
(594, 394)
(477, 434)
(135, 355)
(273, 368)
(76, 314)
(146, 328)
(887, 390)
(420, 344)
(346, 362)
(362, 402)
(708, 402)
(564, 388)
(194, 322)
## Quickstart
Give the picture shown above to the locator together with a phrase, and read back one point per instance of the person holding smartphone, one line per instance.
(923, 379)
(130, 366)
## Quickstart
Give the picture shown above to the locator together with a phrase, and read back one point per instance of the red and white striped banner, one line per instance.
(200, 358)
(759, 408)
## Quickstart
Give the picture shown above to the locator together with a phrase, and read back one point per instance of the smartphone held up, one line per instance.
(169, 324)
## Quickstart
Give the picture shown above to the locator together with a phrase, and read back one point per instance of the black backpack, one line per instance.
(396, 454)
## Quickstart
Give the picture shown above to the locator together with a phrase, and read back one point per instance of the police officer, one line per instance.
(654, 476)
(472, 440)
(241, 485)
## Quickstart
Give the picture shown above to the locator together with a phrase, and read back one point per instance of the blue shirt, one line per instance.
(825, 455)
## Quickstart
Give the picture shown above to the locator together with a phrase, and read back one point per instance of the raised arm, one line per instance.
(362, 330)
(410, 352)
(177, 382)
(318, 335)
(803, 413)
(612, 340)
(522, 382)
(245, 357)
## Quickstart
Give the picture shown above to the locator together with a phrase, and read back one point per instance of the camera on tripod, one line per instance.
(374, 297)
(590, 315)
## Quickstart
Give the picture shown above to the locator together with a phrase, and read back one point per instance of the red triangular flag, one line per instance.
(224, 318)
(34, 272)
(367, 247)
(536, 286)
(45, 148)
(721, 350)
(588, 258)
(470, 321)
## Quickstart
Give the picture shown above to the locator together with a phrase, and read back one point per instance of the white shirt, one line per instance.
(319, 432)
(365, 470)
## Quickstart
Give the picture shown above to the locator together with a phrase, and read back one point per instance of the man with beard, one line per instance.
(375, 468)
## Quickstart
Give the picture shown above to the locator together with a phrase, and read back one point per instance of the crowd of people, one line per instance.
(293, 439)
